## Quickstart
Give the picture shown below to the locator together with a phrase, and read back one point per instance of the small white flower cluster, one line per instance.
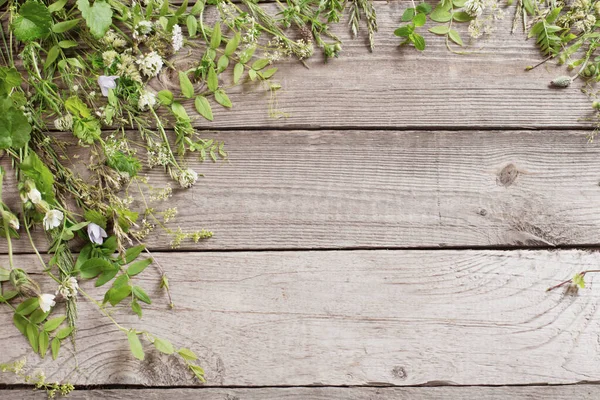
(486, 12)
(176, 38)
(158, 155)
(64, 123)
(109, 57)
(150, 64)
(474, 7)
(187, 178)
(304, 49)
(584, 22)
(111, 39)
(68, 288)
(146, 101)
(142, 30)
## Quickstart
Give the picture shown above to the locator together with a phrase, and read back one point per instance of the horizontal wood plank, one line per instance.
(345, 318)
(583, 392)
(348, 189)
(399, 87)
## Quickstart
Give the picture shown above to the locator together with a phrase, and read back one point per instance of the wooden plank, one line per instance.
(569, 392)
(399, 87)
(349, 189)
(345, 318)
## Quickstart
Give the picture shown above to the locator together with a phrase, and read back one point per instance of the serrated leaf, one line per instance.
(404, 31)
(439, 29)
(187, 89)
(418, 41)
(238, 71)
(455, 37)
(98, 16)
(33, 21)
(55, 348)
(135, 345)
(203, 107)
(141, 295)
(52, 324)
(222, 98)
(164, 346)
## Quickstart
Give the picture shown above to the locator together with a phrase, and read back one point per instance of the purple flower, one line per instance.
(106, 83)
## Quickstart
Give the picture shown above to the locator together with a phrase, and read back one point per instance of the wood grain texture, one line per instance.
(583, 392)
(399, 87)
(348, 189)
(346, 318)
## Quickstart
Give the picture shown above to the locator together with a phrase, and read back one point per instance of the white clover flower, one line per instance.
(53, 219)
(96, 233)
(64, 123)
(68, 288)
(46, 302)
(106, 83)
(177, 38)
(142, 29)
(34, 196)
(474, 7)
(146, 101)
(109, 57)
(187, 178)
(151, 64)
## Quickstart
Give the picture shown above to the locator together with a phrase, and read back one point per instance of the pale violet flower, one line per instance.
(96, 233)
(150, 64)
(146, 101)
(34, 195)
(68, 288)
(106, 83)
(53, 219)
(177, 38)
(46, 302)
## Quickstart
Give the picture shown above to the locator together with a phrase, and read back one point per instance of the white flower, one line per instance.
(68, 288)
(53, 219)
(474, 7)
(46, 302)
(187, 178)
(64, 123)
(151, 64)
(109, 57)
(34, 195)
(177, 38)
(96, 233)
(106, 83)
(142, 29)
(146, 101)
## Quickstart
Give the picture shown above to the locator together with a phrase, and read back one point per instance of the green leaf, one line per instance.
(418, 41)
(203, 107)
(43, 343)
(21, 323)
(192, 25)
(55, 347)
(33, 168)
(238, 70)
(106, 276)
(232, 44)
(115, 295)
(215, 40)
(212, 80)
(440, 15)
(419, 19)
(164, 346)
(187, 89)
(222, 99)
(98, 17)
(439, 29)
(52, 324)
(528, 5)
(424, 8)
(408, 15)
(67, 44)
(404, 31)
(223, 63)
(135, 306)
(141, 295)
(52, 56)
(579, 280)
(455, 37)
(260, 64)
(459, 3)
(8, 295)
(198, 371)
(28, 306)
(138, 266)
(462, 16)
(187, 354)
(64, 332)
(135, 345)
(120, 281)
(179, 111)
(165, 97)
(182, 8)
(94, 266)
(38, 316)
(4, 275)
(65, 26)
(15, 129)
(33, 334)
(268, 73)
(34, 21)
(57, 6)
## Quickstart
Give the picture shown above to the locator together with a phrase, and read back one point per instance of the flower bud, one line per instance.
(11, 219)
(561, 82)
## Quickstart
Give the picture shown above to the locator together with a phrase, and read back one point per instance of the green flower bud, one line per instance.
(561, 82)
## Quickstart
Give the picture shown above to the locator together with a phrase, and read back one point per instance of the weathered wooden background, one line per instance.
(397, 231)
